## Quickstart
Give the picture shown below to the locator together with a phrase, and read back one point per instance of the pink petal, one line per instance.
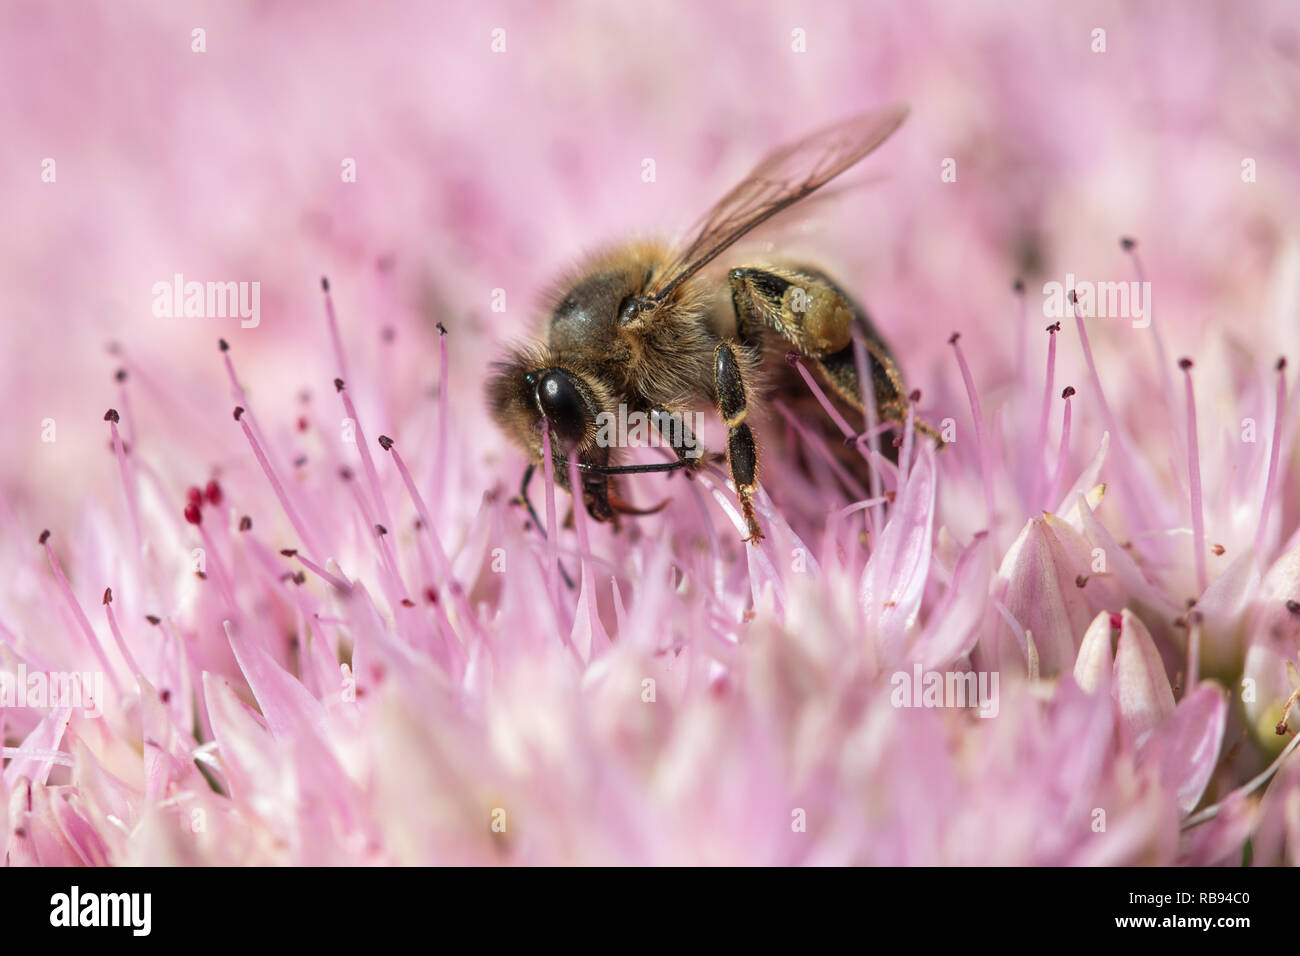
(52, 846)
(1273, 621)
(589, 635)
(954, 627)
(1185, 747)
(1223, 609)
(1037, 585)
(101, 791)
(1087, 479)
(22, 845)
(1129, 581)
(1219, 842)
(1276, 841)
(160, 743)
(81, 835)
(285, 703)
(1093, 666)
(1087, 720)
(249, 756)
(1266, 687)
(1141, 690)
(893, 581)
(44, 739)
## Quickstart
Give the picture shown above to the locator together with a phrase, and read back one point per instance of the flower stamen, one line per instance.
(1270, 481)
(1063, 451)
(1194, 478)
(977, 414)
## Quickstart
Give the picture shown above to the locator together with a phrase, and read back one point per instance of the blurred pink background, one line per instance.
(479, 170)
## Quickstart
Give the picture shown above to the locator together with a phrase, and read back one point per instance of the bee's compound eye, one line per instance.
(562, 404)
(628, 309)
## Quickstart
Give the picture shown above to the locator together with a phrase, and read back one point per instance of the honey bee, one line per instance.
(636, 327)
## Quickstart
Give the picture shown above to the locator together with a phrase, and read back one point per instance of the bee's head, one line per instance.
(524, 393)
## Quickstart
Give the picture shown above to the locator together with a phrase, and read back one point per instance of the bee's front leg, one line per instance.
(732, 390)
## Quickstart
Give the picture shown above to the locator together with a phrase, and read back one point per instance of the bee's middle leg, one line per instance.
(742, 453)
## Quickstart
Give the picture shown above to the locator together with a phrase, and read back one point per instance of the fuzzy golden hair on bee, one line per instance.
(639, 259)
(658, 352)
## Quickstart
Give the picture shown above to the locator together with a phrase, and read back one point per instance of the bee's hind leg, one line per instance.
(811, 313)
(729, 379)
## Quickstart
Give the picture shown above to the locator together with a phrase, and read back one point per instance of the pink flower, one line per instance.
(280, 603)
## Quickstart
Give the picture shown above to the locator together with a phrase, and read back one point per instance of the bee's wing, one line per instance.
(785, 176)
